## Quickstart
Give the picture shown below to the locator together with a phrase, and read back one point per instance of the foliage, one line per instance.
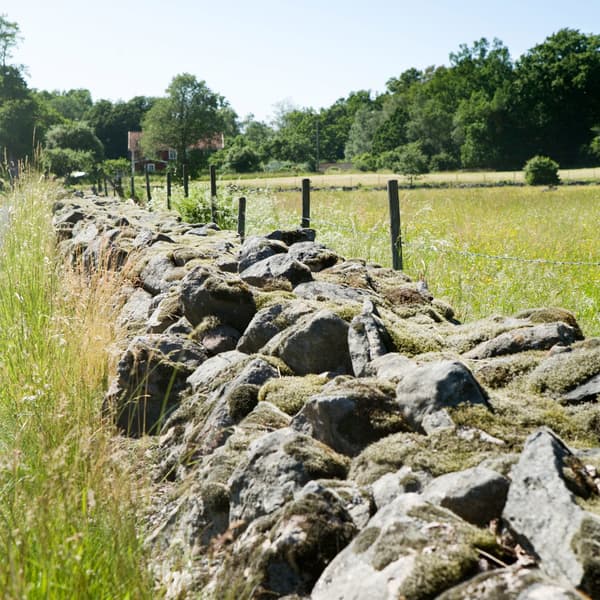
(9, 38)
(75, 136)
(410, 160)
(71, 105)
(241, 156)
(197, 207)
(365, 162)
(190, 112)
(62, 161)
(541, 170)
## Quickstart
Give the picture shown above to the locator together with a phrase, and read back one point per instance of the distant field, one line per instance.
(444, 230)
(380, 179)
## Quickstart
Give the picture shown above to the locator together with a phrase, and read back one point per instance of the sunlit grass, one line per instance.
(442, 227)
(67, 498)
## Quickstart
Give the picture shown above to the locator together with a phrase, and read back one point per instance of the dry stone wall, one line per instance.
(325, 428)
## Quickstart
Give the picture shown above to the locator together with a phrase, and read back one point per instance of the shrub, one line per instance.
(62, 161)
(365, 162)
(541, 170)
(197, 207)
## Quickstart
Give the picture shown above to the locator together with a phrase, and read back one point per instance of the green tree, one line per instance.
(361, 134)
(9, 38)
(72, 105)
(190, 112)
(75, 136)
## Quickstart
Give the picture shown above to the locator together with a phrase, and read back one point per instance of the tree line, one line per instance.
(483, 110)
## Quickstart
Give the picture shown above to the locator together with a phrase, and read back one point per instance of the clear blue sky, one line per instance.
(258, 53)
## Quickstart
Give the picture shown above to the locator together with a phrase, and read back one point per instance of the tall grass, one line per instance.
(443, 230)
(67, 497)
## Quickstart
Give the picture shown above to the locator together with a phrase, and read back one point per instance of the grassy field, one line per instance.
(444, 230)
(67, 498)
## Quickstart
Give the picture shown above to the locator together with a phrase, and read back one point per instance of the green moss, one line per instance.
(409, 338)
(439, 453)
(550, 315)
(503, 371)
(565, 371)
(365, 539)
(215, 497)
(585, 545)
(241, 400)
(206, 325)
(265, 299)
(276, 363)
(346, 311)
(232, 290)
(319, 460)
(290, 393)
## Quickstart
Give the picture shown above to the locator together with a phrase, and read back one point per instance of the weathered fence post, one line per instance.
(148, 194)
(132, 184)
(392, 188)
(105, 186)
(186, 187)
(168, 190)
(305, 203)
(242, 218)
(213, 193)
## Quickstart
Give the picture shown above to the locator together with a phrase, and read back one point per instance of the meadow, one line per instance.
(484, 250)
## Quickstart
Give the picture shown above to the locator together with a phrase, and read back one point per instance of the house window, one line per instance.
(172, 154)
(150, 167)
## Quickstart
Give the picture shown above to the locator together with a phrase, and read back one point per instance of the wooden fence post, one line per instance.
(396, 238)
(242, 218)
(148, 194)
(132, 184)
(186, 187)
(305, 203)
(168, 190)
(213, 193)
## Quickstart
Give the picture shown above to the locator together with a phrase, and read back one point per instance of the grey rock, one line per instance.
(586, 391)
(436, 420)
(315, 256)
(255, 249)
(269, 321)
(367, 340)
(431, 387)
(159, 274)
(391, 485)
(409, 549)
(218, 339)
(477, 495)
(150, 374)
(204, 294)
(316, 343)
(276, 268)
(391, 366)
(293, 236)
(510, 584)
(541, 509)
(351, 416)
(181, 327)
(213, 368)
(135, 311)
(278, 465)
(335, 292)
(538, 337)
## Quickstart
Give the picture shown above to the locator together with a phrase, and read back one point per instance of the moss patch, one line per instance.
(550, 315)
(409, 338)
(366, 539)
(241, 400)
(496, 373)
(265, 299)
(319, 460)
(290, 393)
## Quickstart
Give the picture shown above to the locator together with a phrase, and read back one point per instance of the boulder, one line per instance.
(434, 386)
(391, 366)
(477, 495)
(315, 256)
(391, 485)
(254, 249)
(293, 236)
(205, 375)
(543, 512)
(150, 374)
(409, 549)
(350, 416)
(135, 311)
(278, 465)
(273, 270)
(334, 292)
(159, 274)
(316, 343)
(205, 294)
(538, 337)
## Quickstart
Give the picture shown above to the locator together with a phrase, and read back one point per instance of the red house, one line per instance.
(166, 154)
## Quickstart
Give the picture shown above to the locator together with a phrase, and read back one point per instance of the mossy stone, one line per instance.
(290, 393)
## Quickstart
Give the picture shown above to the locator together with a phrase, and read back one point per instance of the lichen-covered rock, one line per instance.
(334, 292)
(515, 583)
(205, 374)
(255, 249)
(270, 271)
(409, 549)
(204, 294)
(135, 311)
(277, 466)
(316, 343)
(391, 366)
(537, 337)
(543, 512)
(284, 553)
(391, 485)
(477, 495)
(293, 236)
(431, 387)
(350, 415)
(291, 393)
(150, 375)
(269, 321)
(315, 256)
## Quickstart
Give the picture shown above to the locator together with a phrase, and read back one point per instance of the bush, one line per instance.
(197, 207)
(365, 162)
(62, 161)
(541, 170)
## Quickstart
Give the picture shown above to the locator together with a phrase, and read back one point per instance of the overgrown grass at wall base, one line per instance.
(66, 495)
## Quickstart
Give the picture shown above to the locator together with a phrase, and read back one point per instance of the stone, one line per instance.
(269, 321)
(335, 292)
(135, 311)
(476, 495)
(213, 368)
(159, 274)
(350, 416)
(255, 248)
(431, 387)
(391, 366)
(293, 236)
(538, 337)
(204, 294)
(391, 485)
(409, 549)
(216, 337)
(275, 269)
(314, 344)
(150, 374)
(315, 256)
(278, 465)
(542, 511)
